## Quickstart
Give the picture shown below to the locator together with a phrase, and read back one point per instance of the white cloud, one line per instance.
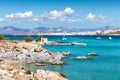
(52, 16)
(60, 14)
(17, 17)
(20, 15)
(56, 14)
(97, 19)
(91, 16)
(68, 11)
(28, 16)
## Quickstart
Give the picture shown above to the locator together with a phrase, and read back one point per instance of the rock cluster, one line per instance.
(29, 52)
(10, 71)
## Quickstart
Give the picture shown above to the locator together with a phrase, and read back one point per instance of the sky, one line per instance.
(60, 13)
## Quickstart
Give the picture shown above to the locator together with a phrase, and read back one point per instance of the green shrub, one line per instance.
(1, 37)
(39, 38)
(28, 39)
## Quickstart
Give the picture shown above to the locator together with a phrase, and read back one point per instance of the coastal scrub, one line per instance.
(1, 37)
(28, 39)
(39, 38)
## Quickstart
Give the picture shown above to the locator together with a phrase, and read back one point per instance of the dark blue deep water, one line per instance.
(106, 66)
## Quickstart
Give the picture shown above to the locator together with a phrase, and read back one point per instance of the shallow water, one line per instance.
(106, 66)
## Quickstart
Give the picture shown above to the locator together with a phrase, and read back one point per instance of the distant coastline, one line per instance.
(58, 35)
(107, 30)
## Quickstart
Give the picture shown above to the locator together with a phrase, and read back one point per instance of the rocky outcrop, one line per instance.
(28, 52)
(10, 70)
(48, 75)
(92, 54)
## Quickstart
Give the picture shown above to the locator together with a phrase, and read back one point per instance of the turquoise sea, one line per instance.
(106, 66)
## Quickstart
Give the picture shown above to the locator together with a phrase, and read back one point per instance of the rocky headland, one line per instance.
(13, 52)
(29, 52)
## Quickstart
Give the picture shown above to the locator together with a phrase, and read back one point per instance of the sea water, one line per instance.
(106, 66)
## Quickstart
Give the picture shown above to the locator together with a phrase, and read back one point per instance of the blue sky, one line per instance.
(59, 13)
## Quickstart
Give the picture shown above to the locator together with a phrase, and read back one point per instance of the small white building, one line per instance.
(44, 40)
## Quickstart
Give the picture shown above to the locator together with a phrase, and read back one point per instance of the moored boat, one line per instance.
(79, 43)
(38, 64)
(110, 38)
(98, 37)
(64, 39)
(82, 58)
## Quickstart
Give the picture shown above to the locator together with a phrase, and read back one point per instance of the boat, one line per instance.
(38, 64)
(98, 37)
(82, 58)
(79, 43)
(61, 41)
(110, 38)
(64, 39)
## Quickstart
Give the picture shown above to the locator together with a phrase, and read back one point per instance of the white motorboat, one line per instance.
(38, 64)
(82, 58)
(79, 43)
(98, 37)
(64, 39)
(110, 38)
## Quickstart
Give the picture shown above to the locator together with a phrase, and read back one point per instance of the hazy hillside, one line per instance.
(37, 30)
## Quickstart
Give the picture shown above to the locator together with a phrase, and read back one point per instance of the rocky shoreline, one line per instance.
(12, 70)
(28, 52)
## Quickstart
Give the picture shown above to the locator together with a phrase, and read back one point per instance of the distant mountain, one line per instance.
(14, 30)
(108, 28)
